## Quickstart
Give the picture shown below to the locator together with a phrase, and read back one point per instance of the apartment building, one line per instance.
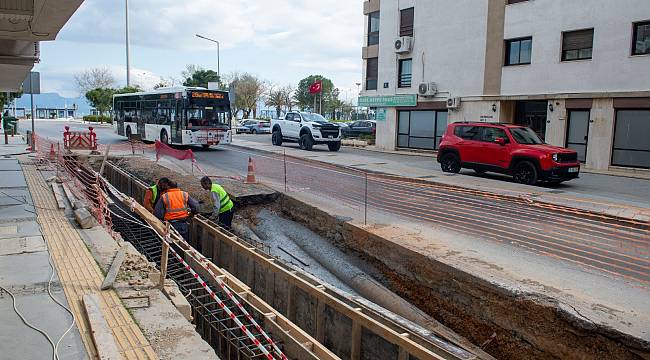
(576, 72)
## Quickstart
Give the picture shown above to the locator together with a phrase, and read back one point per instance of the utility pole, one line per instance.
(128, 55)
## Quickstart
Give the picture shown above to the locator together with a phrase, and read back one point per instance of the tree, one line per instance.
(94, 78)
(277, 100)
(249, 90)
(12, 95)
(305, 100)
(290, 102)
(101, 99)
(197, 76)
(128, 89)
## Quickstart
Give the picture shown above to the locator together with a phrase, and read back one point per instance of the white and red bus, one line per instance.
(175, 116)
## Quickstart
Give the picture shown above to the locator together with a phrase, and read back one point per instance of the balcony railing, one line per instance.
(404, 81)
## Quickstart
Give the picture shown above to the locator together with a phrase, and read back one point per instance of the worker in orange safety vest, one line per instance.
(175, 206)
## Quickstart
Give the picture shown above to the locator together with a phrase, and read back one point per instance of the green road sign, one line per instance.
(380, 114)
(388, 101)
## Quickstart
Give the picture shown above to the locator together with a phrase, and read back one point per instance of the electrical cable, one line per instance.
(74, 319)
(28, 324)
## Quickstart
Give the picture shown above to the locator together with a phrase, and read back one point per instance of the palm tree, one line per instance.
(277, 99)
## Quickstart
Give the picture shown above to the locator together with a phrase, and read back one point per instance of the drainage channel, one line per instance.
(212, 323)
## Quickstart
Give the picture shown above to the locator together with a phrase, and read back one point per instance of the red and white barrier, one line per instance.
(80, 140)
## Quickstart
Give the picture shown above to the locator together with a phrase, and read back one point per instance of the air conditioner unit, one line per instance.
(403, 44)
(453, 103)
(428, 89)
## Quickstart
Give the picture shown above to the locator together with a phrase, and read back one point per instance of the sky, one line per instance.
(281, 41)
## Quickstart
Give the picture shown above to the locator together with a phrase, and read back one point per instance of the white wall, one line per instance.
(449, 46)
(611, 68)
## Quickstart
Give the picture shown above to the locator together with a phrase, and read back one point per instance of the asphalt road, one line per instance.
(632, 191)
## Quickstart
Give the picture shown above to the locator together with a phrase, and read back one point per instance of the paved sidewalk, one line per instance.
(635, 206)
(26, 272)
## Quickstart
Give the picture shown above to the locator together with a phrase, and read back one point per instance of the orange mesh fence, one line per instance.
(612, 245)
(87, 184)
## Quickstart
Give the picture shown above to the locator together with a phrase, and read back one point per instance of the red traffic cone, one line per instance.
(52, 153)
(250, 177)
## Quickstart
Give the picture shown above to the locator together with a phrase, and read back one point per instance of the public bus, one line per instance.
(174, 116)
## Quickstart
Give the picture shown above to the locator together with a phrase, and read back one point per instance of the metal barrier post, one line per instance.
(285, 170)
(165, 256)
(365, 212)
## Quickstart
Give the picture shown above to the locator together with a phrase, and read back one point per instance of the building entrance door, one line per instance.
(533, 115)
(578, 132)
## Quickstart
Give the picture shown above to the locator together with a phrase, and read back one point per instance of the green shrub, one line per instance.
(98, 119)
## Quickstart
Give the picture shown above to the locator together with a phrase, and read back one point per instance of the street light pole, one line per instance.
(128, 55)
(218, 53)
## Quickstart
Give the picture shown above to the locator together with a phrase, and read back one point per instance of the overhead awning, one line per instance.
(23, 24)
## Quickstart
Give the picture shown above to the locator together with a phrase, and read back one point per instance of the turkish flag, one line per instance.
(316, 87)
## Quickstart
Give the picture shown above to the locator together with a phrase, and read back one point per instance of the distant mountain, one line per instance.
(54, 100)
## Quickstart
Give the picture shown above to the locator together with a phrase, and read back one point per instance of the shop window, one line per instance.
(421, 129)
(631, 140)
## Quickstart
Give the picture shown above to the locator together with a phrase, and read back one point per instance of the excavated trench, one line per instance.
(507, 325)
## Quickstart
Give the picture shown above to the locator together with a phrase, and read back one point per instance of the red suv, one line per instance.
(507, 149)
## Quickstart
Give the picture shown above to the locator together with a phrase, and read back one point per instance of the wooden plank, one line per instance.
(69, 194)
(115, 269)
(102, 335)
(58, 195)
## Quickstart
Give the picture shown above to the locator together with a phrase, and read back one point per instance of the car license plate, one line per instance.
(331, 137)
(574, 170)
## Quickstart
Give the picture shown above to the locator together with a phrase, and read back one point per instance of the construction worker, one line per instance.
(223, 209)
(175, 206)
(151, 197)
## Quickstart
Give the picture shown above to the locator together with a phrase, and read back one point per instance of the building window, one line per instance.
(515, 1)
(373, 28)
(372, 68)
(577, 45)
(641, 38)
(407, 19)
(405, 73)
(518, 51)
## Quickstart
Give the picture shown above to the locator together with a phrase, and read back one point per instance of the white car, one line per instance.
(307, 129)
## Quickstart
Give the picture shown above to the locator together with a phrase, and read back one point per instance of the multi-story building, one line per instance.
(577, 72)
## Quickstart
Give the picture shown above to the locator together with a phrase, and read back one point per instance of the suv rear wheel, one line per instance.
(525, 173)
(306, 142)
(450, 163)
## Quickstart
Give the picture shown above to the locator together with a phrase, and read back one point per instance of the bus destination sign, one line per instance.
(208, 95)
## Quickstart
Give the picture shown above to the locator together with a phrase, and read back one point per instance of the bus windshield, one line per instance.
(206, 116)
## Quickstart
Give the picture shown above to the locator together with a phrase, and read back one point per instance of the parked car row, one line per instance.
(252, 126)
(359, 128)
